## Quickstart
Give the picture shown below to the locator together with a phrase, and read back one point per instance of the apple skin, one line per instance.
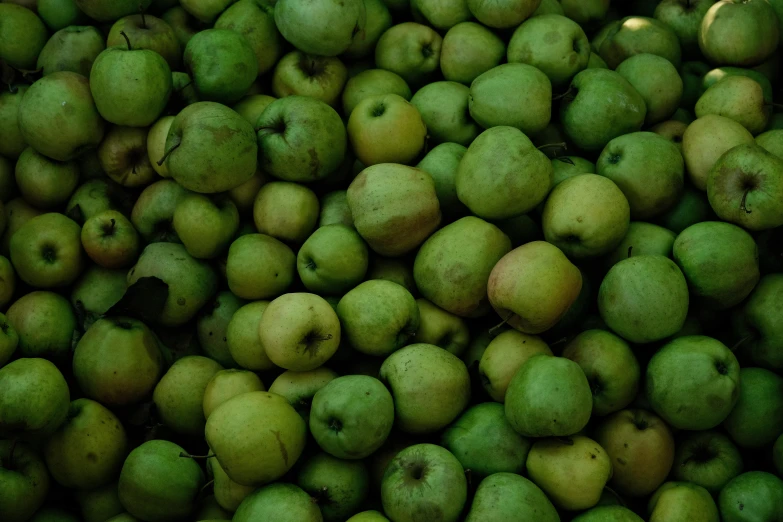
(468, 50)
(124, 158)
(658, 81)
(352, 416)
(250, 280)
(13, 142)
(693, 382)
(340, 486)
(636, 440)
(386, 128)
(757, 418)
(503, 14)
(411, 50)
(682, 501)
(738, 97)
(706, 140)
(153, 211)
(147, 32)
(59, 14)
(485, 443)
(441, 328)
(45, 325)
(754, 495)
(741, 34)
(760, 326)
(706, 458)
(35, 401)
(22, 38)
(508, 496)
(44, 183)
(642, 239)
(424, 482)
(255, 21)
(205, 226)
(319, 77)
(325, 27)
(370, 83)
(25, 481)
(442, 163)
(684, 17)
(332, 260)
(281, 502)
(73, 48)
(42, 103)
(504, 356)
(286, 211)
(533, 286)
(299, 388)
(443, 108)
(636, 35)
(88, 449)
(430, 387)
(9, 340)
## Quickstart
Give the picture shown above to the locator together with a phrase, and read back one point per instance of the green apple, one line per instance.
(252, 106)
(672, 130)
(110, 240)
(9, 340)
(22, 36)
(111, 10)
(548, 397)
(286, 211)
(506, 496)
(299, 388)
(72, 48)
(611, 513)
(430, 387)
(442, 163)
(256, 437)
(494, 100)
(682, 501)
(378, 317)
(684, 17)
(377, 20)
(596, 62)
(45, 324)
(117, 361)
(692, 75)
(325, 27)
(222, 64)
(179, 395)
(642, 239)
(772, 141)
(130, 86)
(82, 129)
(205, 10)
(123, 156)
(647, 168)
(226, 384)
(45, 183)
(644, 298)
(720, 262)
(706, 140)
(503, 357)
(503, 175)
(760, 324)
(411, 50)
(147, 32)
(47, 251)
(332, 260)
(351, 416)
(17, 212)
(444, 109)
(744, 187)
(468, 50)
(641, 448)
(533, 286)
(249, 279)
(228, 494)
(335, 210)
(715, 75)
(212, 327)
(693, 382)
(255, 21)
(502, 14)
(153, 211)
(191, 282)
(754, 495)
(244, 195)
(586, 216)
(205, 226)
(242, 339)
(368, 516)
(424, 482)
(737, 97)
(485, 443)
(300, 139)
(441, 16)
(586, 12)
(610, 366)
(59, 14)
(370, 83)
(386, 128)
(281, 502)
(88, 449)
(441, 328)
(547, 7)
(636, 35)
(96, 291)
(299, 331)
(555, 44)
(24, 479)
(572, 471)
(210, 148)
(156, 483)
(185, 24)
(13, 142)
(706, 458)
(394, 207)
(605, 105)
(339, 487)
(318, 77)
(658, 82)
(394, 270)
(757, 418)
(35, 401)
(738, 33)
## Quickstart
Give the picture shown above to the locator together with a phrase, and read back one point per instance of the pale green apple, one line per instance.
(249, 279)
(394, 270)
(468, 50)
(772, 141)
(737, 97)
(45, 324)
(444, 109)
(242, 338)
(370, 83)
(706, 140)
(441, 163)
(335, 210)
(739, 33)
(205, 226)
(754, 494)
(332, 260)
(319, 77)
(281, 502)
(440, 15)
(324, 27)
(441, 328)
(226, 384)
(504, 13)
(97, 290)
(672, 130)
(715, 75)
(504, 356)
(636, 35)
(411, 50)
(255, 21)
(286, 211)
(759, 324)
(506, 496)
(658, 82)
(299, 388)
(642, 239)
(682, 501)
(152, 212)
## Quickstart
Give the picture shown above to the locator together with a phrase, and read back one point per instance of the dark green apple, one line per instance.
(339, 487)
(111, 10)
(411, 50)
(757, 418)
(682, 501)
(212, 327)
(760, 329)
(657, 80)
(24, 480)
(45, 324)
(22, 36)
(222, 64)
(706, 458)
(72, 48)
(254, 20)
(43, 182)
(281, 502)
(684, 17)
(754, 495)
(59, 14)
(13, 142)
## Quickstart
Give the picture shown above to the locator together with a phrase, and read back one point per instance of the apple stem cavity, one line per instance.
(166, 154)
(127, 40)
(187, 455)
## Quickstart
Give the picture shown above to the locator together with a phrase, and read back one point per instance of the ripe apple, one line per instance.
(706, 458)
(323, 28)
(72, 48)
(299, 388)
(249, 279)
(411, 50)
(270, 501)
(740, 34)
(468, 50)
(504, 356)
(124, 158)
(44, 323)
(318, 77)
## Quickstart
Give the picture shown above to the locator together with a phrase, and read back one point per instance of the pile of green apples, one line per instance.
(391, 260)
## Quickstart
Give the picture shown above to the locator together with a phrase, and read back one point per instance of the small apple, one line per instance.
(332, 260)
(370, 83)
(255, 21)
(153, 211)
(323, 27)
(682, 501)
(444, 109)
(706, 140)
(249, 279)
(110, 240)
(504, 356)
(226, 384)
(276, 500)
(752, 495)
(299, 388)
(22, 36)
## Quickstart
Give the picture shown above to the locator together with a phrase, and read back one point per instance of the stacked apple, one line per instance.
(407, 260)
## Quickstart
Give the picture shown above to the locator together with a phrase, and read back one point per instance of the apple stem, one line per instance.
(184, 86)
(127, 40)
(562, 95)
(469, 477)
(11, 453)
(205, 486)
(775, 105)
(143, 20)
(187, 455)
(744, 201)
(565, 159)
(630, 251)
(618, 497)
(562, 145)
(497, 327)
(741, 342)
(166, 155)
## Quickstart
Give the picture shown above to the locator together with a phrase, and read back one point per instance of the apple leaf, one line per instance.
(143, 300)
